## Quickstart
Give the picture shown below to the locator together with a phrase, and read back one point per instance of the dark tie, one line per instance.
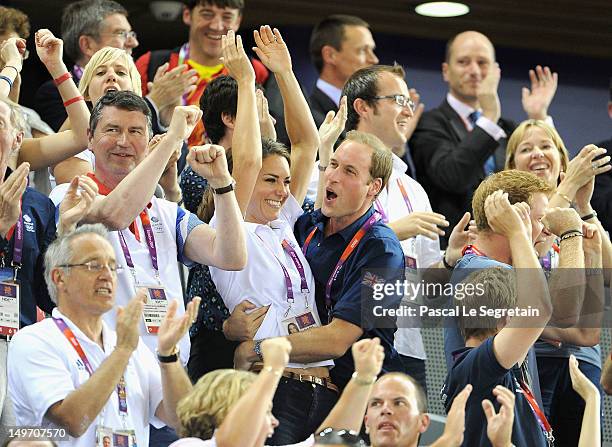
(489, 166)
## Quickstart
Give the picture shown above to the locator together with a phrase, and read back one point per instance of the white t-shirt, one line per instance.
(171, 226)
(262, 281)
(424, 251)
(43, 368)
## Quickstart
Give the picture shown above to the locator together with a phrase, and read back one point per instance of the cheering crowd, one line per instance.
(191, 245)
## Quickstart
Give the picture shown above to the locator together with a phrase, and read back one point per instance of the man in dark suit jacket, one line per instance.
(457, 144)
(339, 46)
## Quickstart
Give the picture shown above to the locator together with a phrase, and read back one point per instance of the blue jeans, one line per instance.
(562, 405)
(300, 408)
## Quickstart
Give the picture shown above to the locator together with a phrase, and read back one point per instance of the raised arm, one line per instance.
(134, 192)
(225, 246)
(51, 149)
(11, 59)
(301, 129)
(246, 141)
(245, 424)
(513, 341)
(329, 132)
(348, 412)
(537, 99)
(590, 432)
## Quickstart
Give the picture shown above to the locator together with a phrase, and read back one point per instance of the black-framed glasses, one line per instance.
(95, 266)
(400, 100)
(330, 436)
(125, 35)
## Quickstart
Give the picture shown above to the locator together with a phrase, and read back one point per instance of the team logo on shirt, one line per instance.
(28, 223)
(157, 224)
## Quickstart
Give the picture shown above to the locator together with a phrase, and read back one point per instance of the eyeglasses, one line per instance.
(329, 436)
(94, 266)
(125, 35)
(400, 100)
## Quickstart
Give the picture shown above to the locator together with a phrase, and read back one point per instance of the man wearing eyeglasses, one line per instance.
(75, 372)
(379, 103)
(463, 140)
(87, 26)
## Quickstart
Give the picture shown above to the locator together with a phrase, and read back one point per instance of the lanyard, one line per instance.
(298, 265)
(404, 195)
(471, 250)
(537, 412)
(182, 59)
(17, 231)
(150, 241)
(345, 255)
(121, 388)
(381, 210)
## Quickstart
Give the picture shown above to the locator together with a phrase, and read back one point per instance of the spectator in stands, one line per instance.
(41, 152)
(127, 175)
(339, 46)
(87, 26)
(210, 349)
(456, 144)
(357, 172)
(112, 69)
(270, 186)
(536, 147)
(207, 20)
(378, 103)
(225, 399)
(603, 184)
(64, 371)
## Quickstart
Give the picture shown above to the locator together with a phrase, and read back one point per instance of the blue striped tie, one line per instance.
(489, 166)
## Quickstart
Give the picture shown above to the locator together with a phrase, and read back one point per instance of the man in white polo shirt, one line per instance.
(74, 372)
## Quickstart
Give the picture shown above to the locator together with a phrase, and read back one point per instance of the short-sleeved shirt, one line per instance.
(479, 367)
(380, 253)
(44, 368)
(424, 251)
(262, 281)
(171, 227)
(38, 214)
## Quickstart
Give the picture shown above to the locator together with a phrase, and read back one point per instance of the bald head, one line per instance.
(469, 37)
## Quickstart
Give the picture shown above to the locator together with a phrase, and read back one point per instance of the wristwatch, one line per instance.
(168, 358)
(224, 189)
(257, 349)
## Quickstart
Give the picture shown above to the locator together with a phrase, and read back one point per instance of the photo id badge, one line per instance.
(9, 308)
(155, 308)
(104, 436)
(124, 438)
(299, 323)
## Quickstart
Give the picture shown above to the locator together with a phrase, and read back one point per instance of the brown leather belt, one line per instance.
(305, 378)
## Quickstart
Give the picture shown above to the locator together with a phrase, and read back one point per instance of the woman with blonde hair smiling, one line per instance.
(538, 148)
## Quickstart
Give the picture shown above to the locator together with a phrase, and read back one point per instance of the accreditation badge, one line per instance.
(155, 308)
(124, 438)
(299, 323)
(410, 259)
(9, 307)
(104, 436)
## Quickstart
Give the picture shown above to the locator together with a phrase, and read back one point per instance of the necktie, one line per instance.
(489, 166)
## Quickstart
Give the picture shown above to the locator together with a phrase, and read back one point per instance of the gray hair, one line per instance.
(84, 18)
(124, 100)
(60, 252)
(16, 114)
